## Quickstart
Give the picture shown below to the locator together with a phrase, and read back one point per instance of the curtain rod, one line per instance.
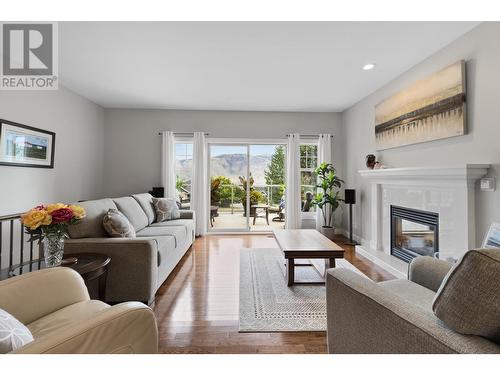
(182, 134)
(206, 134)
(307, 135)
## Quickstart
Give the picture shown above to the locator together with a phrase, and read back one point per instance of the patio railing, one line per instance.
(272, 193)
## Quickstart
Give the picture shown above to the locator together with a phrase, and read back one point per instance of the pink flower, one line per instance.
(62, 215)
(40, 207)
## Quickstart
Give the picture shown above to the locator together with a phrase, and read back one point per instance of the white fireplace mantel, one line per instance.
(460, 173)
(447, 190)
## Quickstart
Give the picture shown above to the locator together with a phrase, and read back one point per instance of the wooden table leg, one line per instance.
(102, 286)
(290, 271)
(330, 263)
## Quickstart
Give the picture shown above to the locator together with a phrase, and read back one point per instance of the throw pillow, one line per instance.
(468, 300)
(116, 224)
(166, 209)
(13, 333)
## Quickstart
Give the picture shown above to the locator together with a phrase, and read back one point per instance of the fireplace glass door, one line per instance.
(414, 233)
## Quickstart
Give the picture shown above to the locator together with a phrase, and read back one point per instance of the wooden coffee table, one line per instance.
(305, 244)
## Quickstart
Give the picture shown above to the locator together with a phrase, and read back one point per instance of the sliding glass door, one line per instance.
(267, 168)
(246, 186)
(228, 172)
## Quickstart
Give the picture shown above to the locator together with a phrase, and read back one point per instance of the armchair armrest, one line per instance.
(133, 270)
(30, 296)
(363, 317)
(125, 328)
(428, 272)
(187, 214)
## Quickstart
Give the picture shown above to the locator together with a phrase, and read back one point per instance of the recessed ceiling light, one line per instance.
(368, 66)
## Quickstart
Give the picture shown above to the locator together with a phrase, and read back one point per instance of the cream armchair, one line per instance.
(55, 305)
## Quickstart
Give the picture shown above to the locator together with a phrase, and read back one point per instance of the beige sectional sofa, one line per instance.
(138, 265)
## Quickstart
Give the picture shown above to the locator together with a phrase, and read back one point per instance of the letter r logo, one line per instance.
(27, 49)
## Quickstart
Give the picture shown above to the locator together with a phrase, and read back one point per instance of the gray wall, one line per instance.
(79, 127)
(481, 50)
(132, 153)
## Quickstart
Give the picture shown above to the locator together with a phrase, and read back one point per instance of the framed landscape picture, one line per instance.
(492, 239)
(430, 109)
(26, 146)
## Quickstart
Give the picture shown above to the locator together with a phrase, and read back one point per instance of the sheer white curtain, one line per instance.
(292, 186)
(324, 156)
(168, 164)
(199, 183)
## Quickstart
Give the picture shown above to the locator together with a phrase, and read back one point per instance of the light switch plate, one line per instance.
(487, 184)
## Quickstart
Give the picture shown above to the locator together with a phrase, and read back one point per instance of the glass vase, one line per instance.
(53, 247)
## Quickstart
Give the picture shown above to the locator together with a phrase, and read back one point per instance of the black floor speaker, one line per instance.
(350, 199)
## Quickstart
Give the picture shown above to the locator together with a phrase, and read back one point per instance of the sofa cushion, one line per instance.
(13, 333)
(117, 224)
(178, 232)
(91, 225)
(468, 300)
(133, 211)
(410, 292)
(166, 209)
(187, 223)
(69, 315)
(145, 200)
(166, 244)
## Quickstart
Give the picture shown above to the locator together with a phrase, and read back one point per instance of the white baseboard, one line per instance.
(389, 263)
(345, 233)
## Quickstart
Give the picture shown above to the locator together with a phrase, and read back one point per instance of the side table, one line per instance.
(90, 266)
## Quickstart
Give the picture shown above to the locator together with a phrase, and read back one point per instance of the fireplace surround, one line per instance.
(448, 191)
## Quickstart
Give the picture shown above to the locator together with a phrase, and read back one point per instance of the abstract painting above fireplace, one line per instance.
(433, 108)
(413, 233)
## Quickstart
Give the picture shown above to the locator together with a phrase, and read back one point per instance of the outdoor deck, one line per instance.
(236, 220)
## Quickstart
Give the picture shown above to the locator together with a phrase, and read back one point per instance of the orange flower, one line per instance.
(34, 218)
(78, 211)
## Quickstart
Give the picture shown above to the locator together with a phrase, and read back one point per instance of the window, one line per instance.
(183, 170)
(308, 164)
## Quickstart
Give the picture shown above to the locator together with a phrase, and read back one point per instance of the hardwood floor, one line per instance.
(197, 307)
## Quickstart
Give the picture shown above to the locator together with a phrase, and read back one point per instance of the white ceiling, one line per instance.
(255, 66)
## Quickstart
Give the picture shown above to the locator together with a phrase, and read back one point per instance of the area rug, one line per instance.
(267, 304)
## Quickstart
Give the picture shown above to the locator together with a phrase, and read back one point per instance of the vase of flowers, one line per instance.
(48, 224)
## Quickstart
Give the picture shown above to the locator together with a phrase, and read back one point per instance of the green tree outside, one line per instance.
(275, 172)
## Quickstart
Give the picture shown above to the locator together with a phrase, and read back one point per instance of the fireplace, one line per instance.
(413, 233)
(446, 190)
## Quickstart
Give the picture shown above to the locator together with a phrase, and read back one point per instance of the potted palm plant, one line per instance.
(328, 197)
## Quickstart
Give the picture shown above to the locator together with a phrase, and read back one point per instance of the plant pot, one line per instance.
(252, 209)
(225, 203)
(328, 232)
